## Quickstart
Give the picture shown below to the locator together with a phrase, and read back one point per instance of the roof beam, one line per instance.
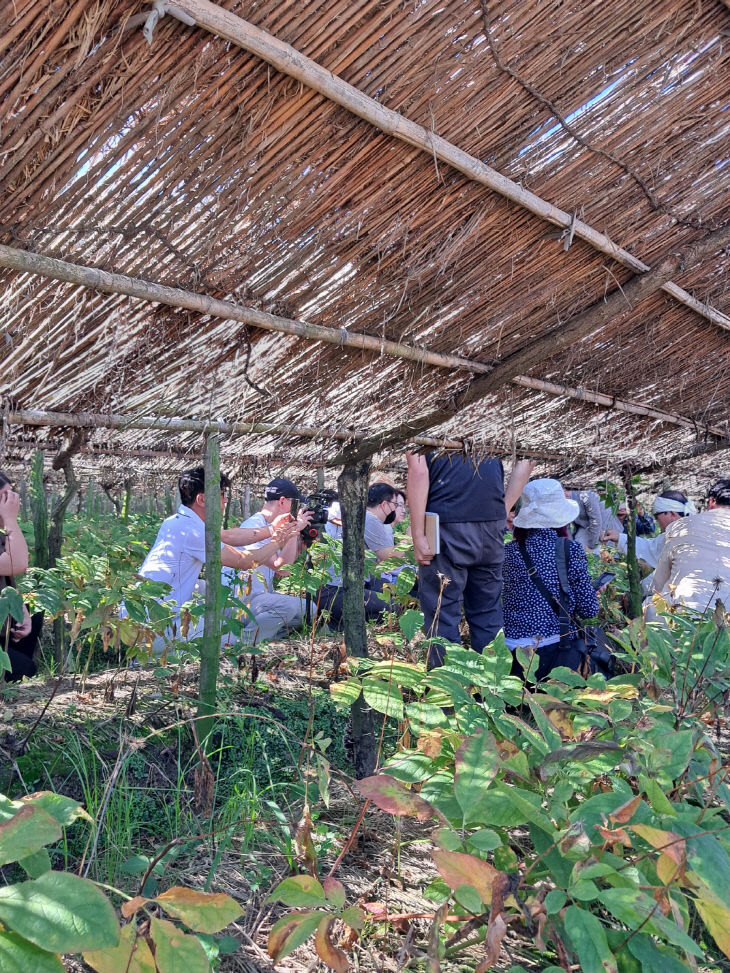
(90, 420)
(293, 63)
(637, 289)
(110, 283)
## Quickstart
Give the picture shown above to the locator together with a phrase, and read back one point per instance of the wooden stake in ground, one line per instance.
(353, 488)
(632, 564)
(210, 649)
(39, 508)
(62, 461)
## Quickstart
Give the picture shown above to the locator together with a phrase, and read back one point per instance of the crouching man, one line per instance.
(178, 553)
(275, 614)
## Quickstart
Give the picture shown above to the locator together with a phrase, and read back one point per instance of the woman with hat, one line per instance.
(531, 617)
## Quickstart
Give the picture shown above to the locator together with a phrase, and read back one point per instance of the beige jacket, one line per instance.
(694, 565)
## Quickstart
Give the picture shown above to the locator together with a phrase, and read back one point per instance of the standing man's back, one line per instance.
(469, 498)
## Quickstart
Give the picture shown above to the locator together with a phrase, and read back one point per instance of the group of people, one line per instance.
(526, 587)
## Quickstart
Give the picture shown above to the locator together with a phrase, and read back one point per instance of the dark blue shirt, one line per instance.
(526, 613)
(462, 491)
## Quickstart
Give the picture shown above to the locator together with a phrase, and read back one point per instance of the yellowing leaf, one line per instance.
(667, 870)
(130, 907)
(625, 812)
(431, 742)
(457, 869)
(132, 955)
(176, 950)
(624, 691)
(290, 932)
(330, 954)
(716, 917)
(671, 844)
(562, 723)
(390, 795)
(202, 911)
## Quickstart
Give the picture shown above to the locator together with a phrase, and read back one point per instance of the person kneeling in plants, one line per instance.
(178, 553)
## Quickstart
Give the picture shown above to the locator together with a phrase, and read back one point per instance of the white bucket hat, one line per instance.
(544, 504)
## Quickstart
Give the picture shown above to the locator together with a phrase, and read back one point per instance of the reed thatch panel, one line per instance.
(192, 163)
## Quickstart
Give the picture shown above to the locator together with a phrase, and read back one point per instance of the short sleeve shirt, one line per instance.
(377, 534)
(178, 554)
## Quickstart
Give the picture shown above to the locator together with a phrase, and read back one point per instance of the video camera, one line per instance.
(317, 503)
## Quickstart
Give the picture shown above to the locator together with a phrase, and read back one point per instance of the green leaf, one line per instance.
(551, 735)
(410, 621)
(63, 809)
(391, 796)
(14, 602)
(175, 950)
(132, 955)
(60, 912)
(354, 917)
(484, 840)
(37, 864)
(346, 693)
(383, 697)
(403, 674)
(29, 830)
(411, 768)
(290, 932)
(17, 955)
(299, 892)
(469, 898)
(201, 911)
(554, 901)
(588, 939)
(635, 908)
(476, 763)
(655, 795)
(653, 957)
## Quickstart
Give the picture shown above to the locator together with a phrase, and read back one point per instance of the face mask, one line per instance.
(389, 517)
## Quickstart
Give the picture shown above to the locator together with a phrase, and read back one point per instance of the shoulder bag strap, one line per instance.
(557, 605)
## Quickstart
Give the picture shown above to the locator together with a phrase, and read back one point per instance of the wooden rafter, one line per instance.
(289, 61)
(23, 260)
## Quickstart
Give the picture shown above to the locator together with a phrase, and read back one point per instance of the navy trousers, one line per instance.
(467, 572)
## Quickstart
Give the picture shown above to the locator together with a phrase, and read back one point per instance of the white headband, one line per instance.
(663, 505)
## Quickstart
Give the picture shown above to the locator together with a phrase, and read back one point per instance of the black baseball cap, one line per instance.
(281, 487)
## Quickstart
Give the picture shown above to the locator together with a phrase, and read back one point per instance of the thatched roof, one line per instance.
(192, 163)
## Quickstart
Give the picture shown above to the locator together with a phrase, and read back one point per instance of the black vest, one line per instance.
(463, 491)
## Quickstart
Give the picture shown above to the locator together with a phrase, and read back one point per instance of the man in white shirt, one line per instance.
(694, 565)
(276, 614)
(178, 552)
(669, 507)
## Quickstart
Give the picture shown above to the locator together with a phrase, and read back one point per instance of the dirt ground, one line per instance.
(388, 863)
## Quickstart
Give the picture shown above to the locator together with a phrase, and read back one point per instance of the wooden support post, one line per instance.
(39, 507)
(168, 502)
(320, 479)
(55, 534)
(246, 508)
(90, 499)
(632, 564)
(23, 491)
(126, 501)
(353, 488)
(210, 650)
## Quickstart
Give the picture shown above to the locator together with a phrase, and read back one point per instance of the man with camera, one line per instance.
(276, 614)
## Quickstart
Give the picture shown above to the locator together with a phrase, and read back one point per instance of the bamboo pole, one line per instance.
(210, 648)
(620, 405)
(108, 283)
(175, 297)
(534, 353)
(293, 63)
